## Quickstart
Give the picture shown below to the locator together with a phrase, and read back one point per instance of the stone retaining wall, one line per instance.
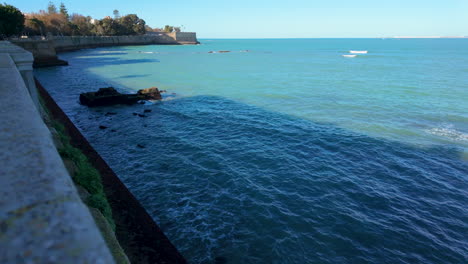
(45, 50)
(80, 42)
(42, 218)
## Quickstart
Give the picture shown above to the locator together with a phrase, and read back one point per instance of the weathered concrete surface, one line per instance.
(22, 59)
(42, 218)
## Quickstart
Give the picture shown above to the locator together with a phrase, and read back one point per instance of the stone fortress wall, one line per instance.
(185, 37)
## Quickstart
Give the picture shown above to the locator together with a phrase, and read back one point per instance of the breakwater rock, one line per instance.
(110, 96)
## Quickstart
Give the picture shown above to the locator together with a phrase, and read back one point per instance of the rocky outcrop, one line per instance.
(150, 94)
(110, 96)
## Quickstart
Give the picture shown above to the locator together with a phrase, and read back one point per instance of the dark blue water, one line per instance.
(252, 183)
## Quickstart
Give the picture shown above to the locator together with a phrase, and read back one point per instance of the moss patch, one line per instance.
(86, 175)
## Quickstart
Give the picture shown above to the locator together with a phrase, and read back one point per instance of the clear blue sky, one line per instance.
(284, 19)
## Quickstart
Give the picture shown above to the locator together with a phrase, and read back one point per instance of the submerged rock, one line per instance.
(110, 96)
(140, 146)
(102, 127)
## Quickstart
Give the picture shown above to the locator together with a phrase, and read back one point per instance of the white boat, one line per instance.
(349, 56)
(358, 51)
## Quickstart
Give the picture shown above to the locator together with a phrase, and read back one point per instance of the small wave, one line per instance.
(449, 132)
(168, 99)
(111, 51)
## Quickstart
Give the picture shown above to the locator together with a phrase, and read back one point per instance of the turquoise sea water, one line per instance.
(283, 151)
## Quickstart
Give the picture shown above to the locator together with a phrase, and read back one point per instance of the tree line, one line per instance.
(58, 21)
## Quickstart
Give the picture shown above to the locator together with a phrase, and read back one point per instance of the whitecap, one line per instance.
(448, 131)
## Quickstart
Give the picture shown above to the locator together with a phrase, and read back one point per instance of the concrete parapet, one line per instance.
(42, 219)
(23, 61)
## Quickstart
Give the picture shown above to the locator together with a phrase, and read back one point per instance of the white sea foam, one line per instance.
(448, 131)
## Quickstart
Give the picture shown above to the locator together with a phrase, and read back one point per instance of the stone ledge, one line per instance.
(42, 218)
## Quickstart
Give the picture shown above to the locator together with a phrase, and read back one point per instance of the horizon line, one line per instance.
(393, 37)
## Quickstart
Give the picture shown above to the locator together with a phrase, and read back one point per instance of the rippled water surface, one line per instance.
(283, 151)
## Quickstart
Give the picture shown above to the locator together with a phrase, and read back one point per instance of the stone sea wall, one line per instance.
(75, 43)
(42, 217)
(45, 50)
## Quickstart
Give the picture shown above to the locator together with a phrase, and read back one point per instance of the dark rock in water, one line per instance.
(147, 110)
(224, 51)
(110, 96)
(141, 102)
(210, 51)
(110, 113)
(150, 94)
(220, 260)
(135, 114)
(106, 96)
(102, 127)
(140, 146)
(141, 115)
